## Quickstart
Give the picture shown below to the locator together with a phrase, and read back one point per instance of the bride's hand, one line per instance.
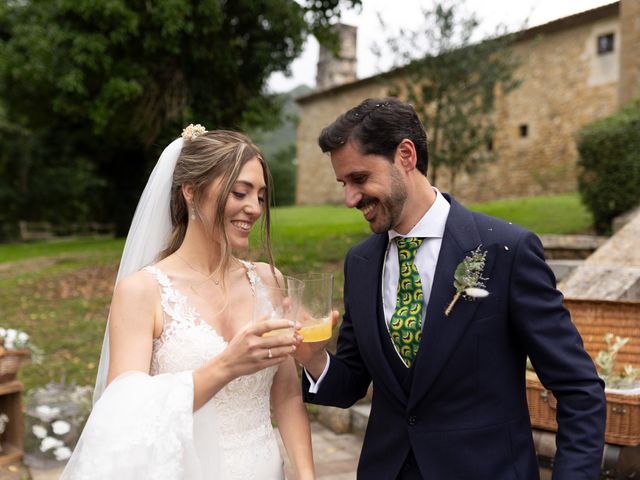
(250, 351)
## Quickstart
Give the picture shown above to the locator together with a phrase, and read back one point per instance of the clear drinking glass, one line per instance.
(278, 302)
(315, 311)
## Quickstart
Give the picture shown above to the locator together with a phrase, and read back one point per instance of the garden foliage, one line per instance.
(609, 165)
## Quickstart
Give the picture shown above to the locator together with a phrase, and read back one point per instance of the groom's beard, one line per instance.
(389, 206)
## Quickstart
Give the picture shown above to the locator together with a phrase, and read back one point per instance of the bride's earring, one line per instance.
(193, 212)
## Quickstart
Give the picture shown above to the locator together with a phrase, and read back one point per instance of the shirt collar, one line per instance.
(432, 223)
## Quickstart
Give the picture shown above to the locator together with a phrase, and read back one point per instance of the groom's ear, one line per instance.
(406, 155)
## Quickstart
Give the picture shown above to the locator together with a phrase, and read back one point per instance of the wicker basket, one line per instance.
(595, 318)
(10, 361)
(623, 413)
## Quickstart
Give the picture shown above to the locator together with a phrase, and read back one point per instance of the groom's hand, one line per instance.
(312, 355)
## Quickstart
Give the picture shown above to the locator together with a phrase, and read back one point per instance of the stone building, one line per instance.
(574, 70)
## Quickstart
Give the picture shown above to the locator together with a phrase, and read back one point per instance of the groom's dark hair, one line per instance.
(377, 126)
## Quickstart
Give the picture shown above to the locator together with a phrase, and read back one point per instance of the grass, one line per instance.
(561, 214)
(21, 251)
(59, 292)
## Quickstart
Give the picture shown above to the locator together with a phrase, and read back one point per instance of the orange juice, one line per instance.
(279, 331)
(316, 330)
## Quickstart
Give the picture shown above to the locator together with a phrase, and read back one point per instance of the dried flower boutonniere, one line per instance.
(468, 279)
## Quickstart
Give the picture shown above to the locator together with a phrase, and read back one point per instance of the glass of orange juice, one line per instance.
(315, 310)
(278, 302)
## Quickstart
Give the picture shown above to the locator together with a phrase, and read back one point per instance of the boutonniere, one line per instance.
(468, 279)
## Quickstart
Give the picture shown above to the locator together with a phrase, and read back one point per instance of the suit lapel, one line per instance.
(441, 333)
(366, 290)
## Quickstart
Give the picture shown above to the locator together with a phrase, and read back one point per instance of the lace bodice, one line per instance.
(242, 407)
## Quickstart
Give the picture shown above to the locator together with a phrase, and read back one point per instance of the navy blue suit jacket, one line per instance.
(465, 415)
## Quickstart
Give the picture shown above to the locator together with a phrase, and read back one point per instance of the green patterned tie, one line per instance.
(406, 323)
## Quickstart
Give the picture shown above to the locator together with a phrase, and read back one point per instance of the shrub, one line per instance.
(609, 165)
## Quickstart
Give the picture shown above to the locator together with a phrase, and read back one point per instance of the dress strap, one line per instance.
(174, 304)
(252, 275)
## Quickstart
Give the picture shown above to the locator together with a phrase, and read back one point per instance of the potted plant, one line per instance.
(15, 347)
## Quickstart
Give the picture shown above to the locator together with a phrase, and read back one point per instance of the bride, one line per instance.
(191, 381)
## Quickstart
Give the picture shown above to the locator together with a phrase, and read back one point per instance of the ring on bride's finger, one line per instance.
(269, 354)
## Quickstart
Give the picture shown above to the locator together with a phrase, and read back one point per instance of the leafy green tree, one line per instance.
(110, 82)
(452, 80)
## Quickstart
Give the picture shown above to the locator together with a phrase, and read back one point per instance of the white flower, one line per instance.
(4, 420)
(50, 442)
(11, 334)
(3, 332)
(60, 427)
(476, 292)
(23, 337)
(39, 431)
(47, 413)
(8, 344)
(62, 453)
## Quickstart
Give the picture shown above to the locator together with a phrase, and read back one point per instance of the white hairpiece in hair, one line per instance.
(192, 131)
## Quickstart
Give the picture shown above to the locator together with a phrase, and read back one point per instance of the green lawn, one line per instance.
(20, 251)
(549, 214)
(59, 292)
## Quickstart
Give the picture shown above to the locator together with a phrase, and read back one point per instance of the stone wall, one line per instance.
(565, 84)
(612, 272)
(316, 181)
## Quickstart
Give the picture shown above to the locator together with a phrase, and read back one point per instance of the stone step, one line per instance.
(345, 420)
(563, 268)
(573, 247)
(360, 417)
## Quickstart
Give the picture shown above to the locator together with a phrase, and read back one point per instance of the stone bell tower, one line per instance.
(334, 70)
(629, 86)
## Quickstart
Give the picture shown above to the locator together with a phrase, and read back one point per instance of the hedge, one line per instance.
(609, 165)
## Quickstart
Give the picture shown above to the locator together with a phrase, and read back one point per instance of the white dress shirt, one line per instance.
(431, 228)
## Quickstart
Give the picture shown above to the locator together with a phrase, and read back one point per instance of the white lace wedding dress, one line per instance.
(143, 427)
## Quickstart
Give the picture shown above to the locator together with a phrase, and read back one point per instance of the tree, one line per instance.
(110, 82)
(452, 81)
(283, 171)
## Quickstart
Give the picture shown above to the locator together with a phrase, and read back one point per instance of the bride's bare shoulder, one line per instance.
(140, 285)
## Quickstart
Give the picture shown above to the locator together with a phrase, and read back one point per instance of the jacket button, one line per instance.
(411, 420)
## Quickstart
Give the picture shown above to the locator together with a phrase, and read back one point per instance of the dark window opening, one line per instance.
(524, 130)
(490, 144)
(605, 43)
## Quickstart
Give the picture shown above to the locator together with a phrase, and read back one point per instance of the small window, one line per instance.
(490, 144)
(524, 130)
(605, 43)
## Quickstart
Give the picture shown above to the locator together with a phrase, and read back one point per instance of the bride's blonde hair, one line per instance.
(203, 159)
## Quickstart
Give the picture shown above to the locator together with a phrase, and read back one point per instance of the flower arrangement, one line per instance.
(55, 415)
(15, 346)
(605, 361)
(12, 339)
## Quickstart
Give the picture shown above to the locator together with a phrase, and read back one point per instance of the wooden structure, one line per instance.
(12, 440)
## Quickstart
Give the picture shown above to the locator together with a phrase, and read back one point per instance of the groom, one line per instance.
(447, 363)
